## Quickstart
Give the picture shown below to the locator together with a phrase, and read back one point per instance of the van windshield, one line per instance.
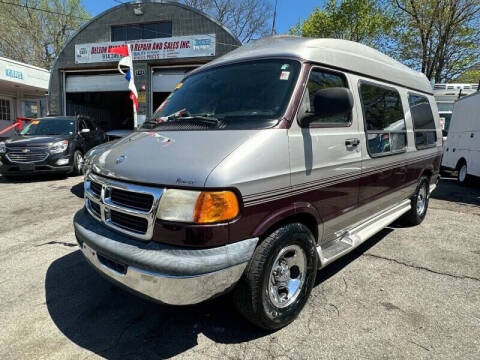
(248, 95)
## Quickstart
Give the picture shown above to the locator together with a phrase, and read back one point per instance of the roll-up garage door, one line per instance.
(96, 83)
(165, 80)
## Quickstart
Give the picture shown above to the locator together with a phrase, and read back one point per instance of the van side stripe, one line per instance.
(271, 195)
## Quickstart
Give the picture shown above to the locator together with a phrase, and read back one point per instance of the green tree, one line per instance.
(365, 21)
(438, 37)
(470, 76)
(34, 31)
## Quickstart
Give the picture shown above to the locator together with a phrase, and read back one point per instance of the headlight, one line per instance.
(58, 147)
(3, 148)
(200, 207)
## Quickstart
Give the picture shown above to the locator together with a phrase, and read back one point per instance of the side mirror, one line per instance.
(329, 102)
(84, 131)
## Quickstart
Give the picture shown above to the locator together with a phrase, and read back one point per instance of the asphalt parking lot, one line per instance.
(407, 293)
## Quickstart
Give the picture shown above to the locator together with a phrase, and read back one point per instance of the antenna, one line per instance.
(274, 18)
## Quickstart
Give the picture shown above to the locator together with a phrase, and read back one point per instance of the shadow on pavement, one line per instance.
(77, 189)
(23, 179)
(449, 190)
(116, 324)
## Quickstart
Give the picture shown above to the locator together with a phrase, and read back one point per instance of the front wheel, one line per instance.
(279, 278)
(77, 163)
(419, 203)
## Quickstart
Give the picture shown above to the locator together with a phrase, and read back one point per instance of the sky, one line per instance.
(288, 11)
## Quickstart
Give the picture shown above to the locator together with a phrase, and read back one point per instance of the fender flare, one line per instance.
(296, 208)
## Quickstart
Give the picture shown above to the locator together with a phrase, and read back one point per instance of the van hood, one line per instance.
(181, 158)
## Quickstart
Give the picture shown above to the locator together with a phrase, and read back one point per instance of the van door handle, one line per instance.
(352, 142)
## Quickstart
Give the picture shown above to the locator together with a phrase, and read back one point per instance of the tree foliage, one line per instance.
(247, 19)
(469, 76)
(34, 31)
(365, 21)
(438, 37)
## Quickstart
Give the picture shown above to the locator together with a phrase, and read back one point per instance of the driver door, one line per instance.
(326, 159)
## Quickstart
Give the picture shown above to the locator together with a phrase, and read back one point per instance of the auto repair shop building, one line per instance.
(169, 39)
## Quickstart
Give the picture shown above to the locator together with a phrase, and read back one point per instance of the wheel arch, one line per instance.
(304, 213)
(460, 161)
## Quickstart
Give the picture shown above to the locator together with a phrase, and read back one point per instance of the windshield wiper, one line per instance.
(207, 118)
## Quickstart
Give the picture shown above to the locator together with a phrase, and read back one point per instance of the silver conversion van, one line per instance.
(261, 168)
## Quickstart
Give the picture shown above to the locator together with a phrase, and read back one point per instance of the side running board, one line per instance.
(352, 238)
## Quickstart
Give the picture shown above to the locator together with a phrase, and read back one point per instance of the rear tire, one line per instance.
(420, 199)
(279, 278)
(463, 177)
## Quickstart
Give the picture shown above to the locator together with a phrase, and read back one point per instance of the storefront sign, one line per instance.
(14, 74)
(149, 49)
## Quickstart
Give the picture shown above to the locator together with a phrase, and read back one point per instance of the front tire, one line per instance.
(279, 278)
(419, 203)
(77, 163)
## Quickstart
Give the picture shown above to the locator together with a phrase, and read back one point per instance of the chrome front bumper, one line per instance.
(171, 275)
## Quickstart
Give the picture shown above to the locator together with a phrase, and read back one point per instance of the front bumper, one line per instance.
(168, 274)
(42, 167)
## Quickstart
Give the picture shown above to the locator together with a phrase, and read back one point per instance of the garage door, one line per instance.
(166, 80)
(95, 83)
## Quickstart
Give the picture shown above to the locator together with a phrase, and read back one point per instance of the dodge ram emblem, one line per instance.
(120, 159)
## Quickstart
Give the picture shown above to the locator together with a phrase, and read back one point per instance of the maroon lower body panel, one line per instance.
(331, 202)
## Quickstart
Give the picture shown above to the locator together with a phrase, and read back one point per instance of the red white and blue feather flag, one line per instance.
(126, 61)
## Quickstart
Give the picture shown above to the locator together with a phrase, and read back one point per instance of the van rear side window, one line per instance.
(384, 119)
(423, 122)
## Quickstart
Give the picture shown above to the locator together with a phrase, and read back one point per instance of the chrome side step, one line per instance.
(352, 238)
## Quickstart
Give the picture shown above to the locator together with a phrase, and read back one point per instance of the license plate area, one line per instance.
(26, 167)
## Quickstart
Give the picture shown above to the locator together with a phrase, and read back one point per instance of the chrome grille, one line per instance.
(26, 155)
(125, 207)
(132, 200)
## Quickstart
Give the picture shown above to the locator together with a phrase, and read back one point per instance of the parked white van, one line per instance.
(462, 149)
(262, 167)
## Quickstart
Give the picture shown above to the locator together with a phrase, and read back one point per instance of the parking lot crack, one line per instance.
(423, 268)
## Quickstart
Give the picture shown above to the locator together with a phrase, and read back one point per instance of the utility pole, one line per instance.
(274, 18)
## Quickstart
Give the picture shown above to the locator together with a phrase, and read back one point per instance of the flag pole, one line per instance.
(135, 122)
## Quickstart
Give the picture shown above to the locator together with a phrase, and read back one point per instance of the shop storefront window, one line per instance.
(5, 108)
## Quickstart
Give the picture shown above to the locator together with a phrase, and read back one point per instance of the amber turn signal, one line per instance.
(216, 206)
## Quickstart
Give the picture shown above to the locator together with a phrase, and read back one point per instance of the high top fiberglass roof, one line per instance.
(342, 54)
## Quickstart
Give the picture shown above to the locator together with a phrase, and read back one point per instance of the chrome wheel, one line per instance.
(79, 162)
(462, 173)
(287, 276)
(422, 200)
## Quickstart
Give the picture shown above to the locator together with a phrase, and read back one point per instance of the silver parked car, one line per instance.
(261, 168)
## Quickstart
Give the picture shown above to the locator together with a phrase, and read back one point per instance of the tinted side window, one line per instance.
(423, 122)
(320, 79)
(384, 119)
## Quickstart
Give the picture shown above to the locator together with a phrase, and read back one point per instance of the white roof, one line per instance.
(343, 54)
